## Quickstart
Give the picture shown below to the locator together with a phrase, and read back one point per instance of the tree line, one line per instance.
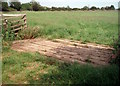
(35, 6)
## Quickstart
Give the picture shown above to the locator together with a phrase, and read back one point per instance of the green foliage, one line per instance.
(94, 8)
(116, 57)
(26, 6)
(109, 7)
(16, 5)
(11, 9)
(68, 8)
(112, 7)
(85, 8)
(35, 5)
(76, 9)
(8, 35)
(4, 6)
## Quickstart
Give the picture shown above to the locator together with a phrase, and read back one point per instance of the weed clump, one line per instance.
(28, 33)
(8, 35)
(116, 57)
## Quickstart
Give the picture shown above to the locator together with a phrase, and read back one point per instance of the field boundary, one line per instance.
(15, 22)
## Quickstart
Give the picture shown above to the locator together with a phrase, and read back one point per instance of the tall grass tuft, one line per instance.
(28, 33)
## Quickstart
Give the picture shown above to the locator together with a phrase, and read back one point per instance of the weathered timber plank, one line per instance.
(17, 25)
(13, 15)
(16, 29)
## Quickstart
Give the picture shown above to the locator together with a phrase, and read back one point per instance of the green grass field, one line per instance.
(87, 26)
(99, 27)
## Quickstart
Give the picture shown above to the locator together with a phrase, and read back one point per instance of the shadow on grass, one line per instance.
(76, 74)
(59, 73)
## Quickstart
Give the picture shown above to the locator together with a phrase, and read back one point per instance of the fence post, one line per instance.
(25, 21)
(6, 23)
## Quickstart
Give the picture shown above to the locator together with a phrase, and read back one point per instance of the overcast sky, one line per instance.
(76, 3)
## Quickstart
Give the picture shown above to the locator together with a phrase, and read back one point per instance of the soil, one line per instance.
(67, 50)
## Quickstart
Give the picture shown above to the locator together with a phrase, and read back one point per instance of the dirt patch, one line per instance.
(66, 50)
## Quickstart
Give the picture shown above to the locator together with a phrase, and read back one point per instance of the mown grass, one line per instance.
(33, 68)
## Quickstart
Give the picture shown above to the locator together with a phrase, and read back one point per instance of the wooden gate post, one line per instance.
(5, 24)
(25, 21)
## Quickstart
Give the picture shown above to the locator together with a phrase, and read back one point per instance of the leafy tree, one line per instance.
(112, 7)
(107, 8)
(75, 9)
(11, 9)
(118, 8)
(26, 6)
(0, 6)
(16, 5)
(41, 8)
(93, 8)
(4, 6)
(35, 5)
(85, 8)
(102, 8)
(68, 8)
(44, 8)
(54, 8)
